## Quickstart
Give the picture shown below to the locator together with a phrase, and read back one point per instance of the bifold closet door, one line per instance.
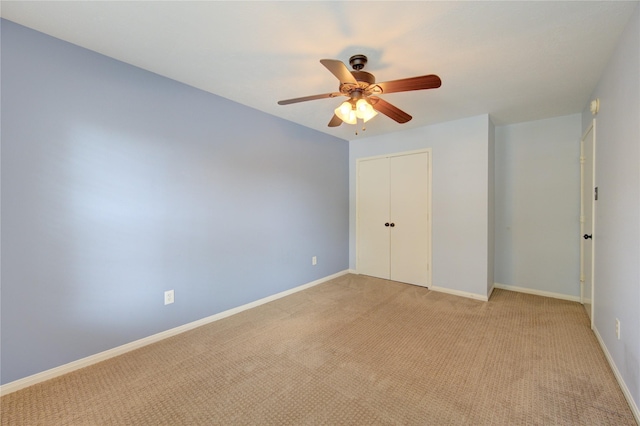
(393, 233)
(408, 209)
(373, 212)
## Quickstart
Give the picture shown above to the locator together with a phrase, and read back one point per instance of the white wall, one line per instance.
(460, 194)
(537, 205)
(617, 233)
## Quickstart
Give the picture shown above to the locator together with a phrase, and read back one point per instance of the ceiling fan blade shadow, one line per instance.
(340, 70)
(309, 98)
(431, 81)
(389, 110)
(335, 121)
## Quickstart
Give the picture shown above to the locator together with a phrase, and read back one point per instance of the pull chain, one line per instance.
(363, 126)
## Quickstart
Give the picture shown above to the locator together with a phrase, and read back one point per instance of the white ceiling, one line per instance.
(517, 60)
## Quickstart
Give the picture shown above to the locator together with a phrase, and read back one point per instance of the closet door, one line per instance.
(408, 211)
(373, 213)
(393, 240)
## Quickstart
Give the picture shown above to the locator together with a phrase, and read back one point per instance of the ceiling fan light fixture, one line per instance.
(345, 108)
(364, 110)
(346, 112)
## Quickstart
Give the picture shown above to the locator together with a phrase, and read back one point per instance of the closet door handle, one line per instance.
(392, 224)
(386, 224)
(586, 236)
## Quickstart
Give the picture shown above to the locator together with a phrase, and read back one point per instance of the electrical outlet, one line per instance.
(618, 328)
(168, 297)
(314, 260)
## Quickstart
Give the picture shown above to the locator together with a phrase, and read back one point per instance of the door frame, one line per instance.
(429, 153)
(592, 184)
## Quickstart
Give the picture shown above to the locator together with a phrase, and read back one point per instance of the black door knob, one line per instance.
(587, 236)
(386, 224)
(392, 225)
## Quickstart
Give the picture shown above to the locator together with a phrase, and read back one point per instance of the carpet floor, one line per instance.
(354, 350)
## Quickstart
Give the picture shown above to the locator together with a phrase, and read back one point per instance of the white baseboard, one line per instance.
(537, 292)
(460, 293)
(616, 373)
(93, 359)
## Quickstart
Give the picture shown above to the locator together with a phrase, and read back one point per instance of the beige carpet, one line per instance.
(354, 350)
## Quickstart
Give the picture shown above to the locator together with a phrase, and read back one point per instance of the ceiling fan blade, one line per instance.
(340, 70)
(413, 83)
(335, 121)
(389, 110)
(309, 98)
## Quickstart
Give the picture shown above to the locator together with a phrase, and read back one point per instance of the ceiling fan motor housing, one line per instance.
(364, 77)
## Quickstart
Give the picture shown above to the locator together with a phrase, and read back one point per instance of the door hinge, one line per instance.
(595, 194)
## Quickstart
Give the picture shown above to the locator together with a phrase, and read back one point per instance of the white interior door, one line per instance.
(373, 213)
(409, 237)
(587, 215)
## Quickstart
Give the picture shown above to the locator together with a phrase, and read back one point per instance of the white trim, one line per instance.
(593, 228)
(588, 129)
(537, 292)
(429, 217)
(395, 154)
(491, 291)
(616, 373)
(460, 293)
(93, 359)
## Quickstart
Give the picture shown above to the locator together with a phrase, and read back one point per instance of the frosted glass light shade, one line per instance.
(364, 110)
(346, 113)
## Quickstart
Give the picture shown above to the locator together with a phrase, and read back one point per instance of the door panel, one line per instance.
(373, 213)
(409, 238)
(587, 212)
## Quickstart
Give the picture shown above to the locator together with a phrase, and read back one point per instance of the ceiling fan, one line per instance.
(362, 90)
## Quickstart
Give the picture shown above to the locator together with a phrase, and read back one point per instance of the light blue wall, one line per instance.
(617, 224)
(119, 184)
(537, 205)
(460, 194)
